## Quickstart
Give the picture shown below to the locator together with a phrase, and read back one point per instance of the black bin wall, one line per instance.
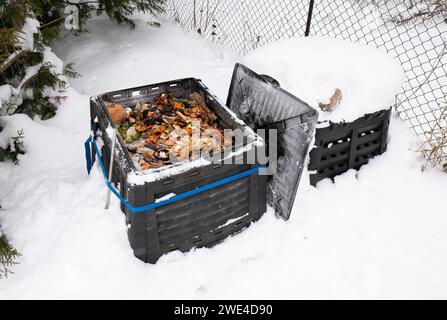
(343, 146)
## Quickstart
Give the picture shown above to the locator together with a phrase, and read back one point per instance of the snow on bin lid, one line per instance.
(313, 67)
(260, 102)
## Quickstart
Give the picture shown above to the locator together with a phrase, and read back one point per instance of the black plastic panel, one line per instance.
(343, 146)
(262, 104)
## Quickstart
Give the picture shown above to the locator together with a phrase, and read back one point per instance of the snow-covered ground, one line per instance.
(378, 233)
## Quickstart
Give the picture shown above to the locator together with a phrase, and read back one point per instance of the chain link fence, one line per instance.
(239, 24)
(413, 31)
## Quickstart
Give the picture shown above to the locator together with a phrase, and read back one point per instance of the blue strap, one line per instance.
(177, 197)
(88, 155)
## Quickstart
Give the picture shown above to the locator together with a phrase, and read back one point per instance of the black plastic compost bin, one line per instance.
(343, 146)
(207, 218)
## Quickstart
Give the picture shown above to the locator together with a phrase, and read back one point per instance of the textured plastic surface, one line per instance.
(201, 220)
(262, 104)
(343, 146)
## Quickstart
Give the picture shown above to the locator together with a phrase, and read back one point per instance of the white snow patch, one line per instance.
(166, 197)
(6, 92)
(230, 221)
(313, 67)
(110, 131)
(26, 36)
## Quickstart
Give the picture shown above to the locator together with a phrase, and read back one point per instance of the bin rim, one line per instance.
(136, 176)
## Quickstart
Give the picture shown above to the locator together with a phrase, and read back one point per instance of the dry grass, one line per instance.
(434, 149)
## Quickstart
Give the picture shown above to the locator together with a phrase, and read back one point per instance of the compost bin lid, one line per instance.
(262, 104)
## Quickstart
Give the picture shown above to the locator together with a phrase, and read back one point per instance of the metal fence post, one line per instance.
(309, 18)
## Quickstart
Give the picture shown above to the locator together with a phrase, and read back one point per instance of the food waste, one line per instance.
(168, 129)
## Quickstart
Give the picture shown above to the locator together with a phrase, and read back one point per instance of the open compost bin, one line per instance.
(197, 203)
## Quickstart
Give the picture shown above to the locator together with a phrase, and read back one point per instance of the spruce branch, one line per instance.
(12, 59)
(8, 256)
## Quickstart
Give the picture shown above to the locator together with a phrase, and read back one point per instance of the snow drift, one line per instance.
(312, 68)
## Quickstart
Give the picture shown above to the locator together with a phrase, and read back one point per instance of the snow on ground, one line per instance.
(112, 58)
(314, 67)
(378, 233)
